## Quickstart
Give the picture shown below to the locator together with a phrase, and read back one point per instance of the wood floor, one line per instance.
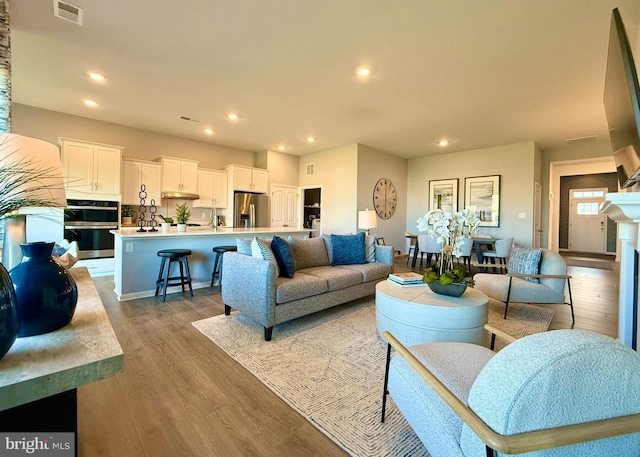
(180, 395)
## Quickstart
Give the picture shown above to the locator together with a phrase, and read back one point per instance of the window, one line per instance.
(588, 193)
(587, 209)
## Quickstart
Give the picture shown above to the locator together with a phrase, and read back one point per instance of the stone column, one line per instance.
(5, 68)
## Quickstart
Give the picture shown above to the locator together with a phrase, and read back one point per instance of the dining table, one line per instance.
(479, 242)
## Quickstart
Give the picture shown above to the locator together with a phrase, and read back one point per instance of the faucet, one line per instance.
(213, 218)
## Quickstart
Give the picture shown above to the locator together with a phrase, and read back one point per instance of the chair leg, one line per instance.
(490, 452)
(268, 331)
(180, 262)
(188, 278)
(506, 305)
(573, 319)
(166, 281)
(385, 392)
(158, 281)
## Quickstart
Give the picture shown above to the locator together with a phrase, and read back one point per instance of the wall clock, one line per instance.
(385, 198)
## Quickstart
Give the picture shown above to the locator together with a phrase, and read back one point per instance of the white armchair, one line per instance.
(514, 287)
(563, 393)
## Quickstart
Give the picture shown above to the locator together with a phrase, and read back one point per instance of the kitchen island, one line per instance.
(136, 263)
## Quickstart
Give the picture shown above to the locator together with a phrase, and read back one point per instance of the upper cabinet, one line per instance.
(91, 170)
(212, 189)
(248, 179)
(138, 172)
(179, 175)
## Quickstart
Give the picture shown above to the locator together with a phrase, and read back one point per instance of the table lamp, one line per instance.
(367, 219)
(30, 176)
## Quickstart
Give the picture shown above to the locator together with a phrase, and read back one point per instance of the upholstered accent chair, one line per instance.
(546, 285)
(465, 253)
(562, 393)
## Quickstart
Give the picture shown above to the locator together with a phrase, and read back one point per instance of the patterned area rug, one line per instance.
(330, 368)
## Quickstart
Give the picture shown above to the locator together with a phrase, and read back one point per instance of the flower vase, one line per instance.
(450, 290)
(46, 292)
(8, 312)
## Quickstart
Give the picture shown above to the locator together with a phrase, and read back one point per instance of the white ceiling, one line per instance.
(479, 73)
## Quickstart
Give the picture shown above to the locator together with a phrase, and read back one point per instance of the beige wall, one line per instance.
(138, 144)
(336, 173)
(283, 168)
(373, 165)
(515, 165)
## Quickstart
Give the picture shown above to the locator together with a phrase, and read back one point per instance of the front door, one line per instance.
(587, 225)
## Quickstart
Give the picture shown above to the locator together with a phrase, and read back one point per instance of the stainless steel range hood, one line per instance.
(179, 195)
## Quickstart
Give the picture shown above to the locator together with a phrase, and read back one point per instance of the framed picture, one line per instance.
(380, 241)
(443, 194)
(482, 196)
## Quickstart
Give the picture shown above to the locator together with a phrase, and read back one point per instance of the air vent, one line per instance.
(189, 119)
(311, 169)
(67, 11)
(582, 139)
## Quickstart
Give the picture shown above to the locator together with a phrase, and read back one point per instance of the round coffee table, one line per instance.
(415, 315)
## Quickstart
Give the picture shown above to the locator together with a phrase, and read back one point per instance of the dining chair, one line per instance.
(411, 244)
(429, 246)
(501, 253)
(465, 253)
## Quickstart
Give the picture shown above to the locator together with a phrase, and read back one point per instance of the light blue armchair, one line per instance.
(563, 393)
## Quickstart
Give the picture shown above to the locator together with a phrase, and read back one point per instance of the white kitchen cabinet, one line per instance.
(91, 170)
(138, 172)
(179, 175)
(212, 189)
(248, 179)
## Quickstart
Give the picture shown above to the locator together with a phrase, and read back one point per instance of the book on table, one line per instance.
(406, 278)
(409, 284)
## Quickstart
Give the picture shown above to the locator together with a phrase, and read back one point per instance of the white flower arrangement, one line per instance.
(449, 229)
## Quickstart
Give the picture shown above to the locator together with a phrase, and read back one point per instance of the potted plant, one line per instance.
(448, 229)
(166, 224)
(127, 215)
(183, 213)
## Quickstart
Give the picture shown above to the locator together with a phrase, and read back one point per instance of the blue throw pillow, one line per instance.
(348, 249)
(283, 253)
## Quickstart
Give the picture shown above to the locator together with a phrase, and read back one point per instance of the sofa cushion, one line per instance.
(337, 278)
(525, 261)
(244, 245)
(310, 252)
(348, 249)
(284, 256)
(302, 286)
(369, 271)
(260, 250)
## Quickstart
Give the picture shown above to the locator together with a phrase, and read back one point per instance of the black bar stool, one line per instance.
(164, 280)
(217, 264)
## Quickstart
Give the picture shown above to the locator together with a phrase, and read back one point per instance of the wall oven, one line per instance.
(88, 223)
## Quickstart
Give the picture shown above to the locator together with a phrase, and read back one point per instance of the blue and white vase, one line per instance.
(46, 293)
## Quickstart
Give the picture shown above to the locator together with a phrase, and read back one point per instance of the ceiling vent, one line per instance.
(311, 169)
(67, 11)
(582, 139)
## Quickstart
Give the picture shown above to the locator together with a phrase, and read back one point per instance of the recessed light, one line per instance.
(311, 139)
(90, 103)
(443, 142)
(96, 76)
(363, 71)
(232, 116)
(281, 148)
(208, 131)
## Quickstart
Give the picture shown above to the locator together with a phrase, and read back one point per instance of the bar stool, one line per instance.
(217, 263)
(164, 280)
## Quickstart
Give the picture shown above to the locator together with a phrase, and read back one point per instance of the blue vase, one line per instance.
(47, 294)
(8, 312)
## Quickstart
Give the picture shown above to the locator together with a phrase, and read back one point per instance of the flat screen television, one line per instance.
(622, 104)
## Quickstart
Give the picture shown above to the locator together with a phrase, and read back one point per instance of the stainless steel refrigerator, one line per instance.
(250, 210)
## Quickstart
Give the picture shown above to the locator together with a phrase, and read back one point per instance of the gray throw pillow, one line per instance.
(525, 261)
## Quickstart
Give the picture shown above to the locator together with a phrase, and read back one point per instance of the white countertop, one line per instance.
(84, 351)
(207, 231)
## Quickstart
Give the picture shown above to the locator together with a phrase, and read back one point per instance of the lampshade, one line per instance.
(35, 166)
(367, 219)
(30, 177)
